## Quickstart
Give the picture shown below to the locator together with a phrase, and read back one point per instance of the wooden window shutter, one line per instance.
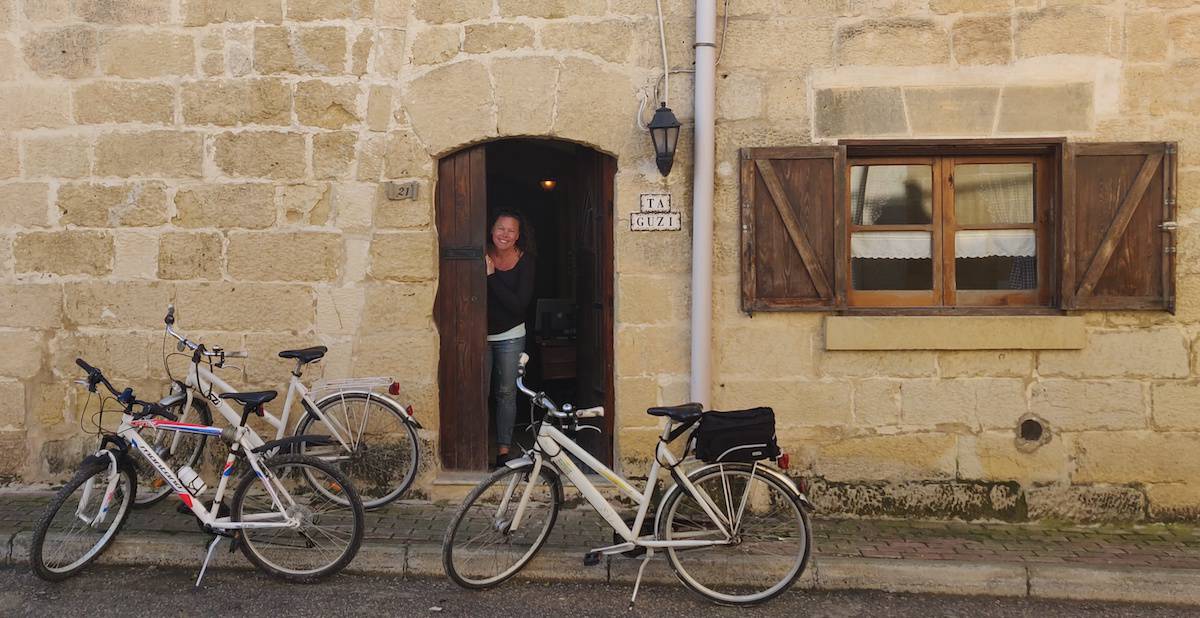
(792, 229)
(1118, 226)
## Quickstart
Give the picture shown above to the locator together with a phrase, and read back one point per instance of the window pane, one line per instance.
(891, 194)
(995, 260)
(993, 193)
(891, 261)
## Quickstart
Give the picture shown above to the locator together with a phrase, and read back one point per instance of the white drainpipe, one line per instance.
(702, 200)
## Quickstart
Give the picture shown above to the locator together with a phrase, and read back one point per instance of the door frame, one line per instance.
(460, 221)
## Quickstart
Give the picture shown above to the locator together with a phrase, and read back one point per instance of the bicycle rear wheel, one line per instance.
(177, 448)
(769, 547)
(481, 549)
(384, 452)
(330, 531)
(73, 531)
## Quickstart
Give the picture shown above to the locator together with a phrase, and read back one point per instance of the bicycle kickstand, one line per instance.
(212, 547)
(641, 570)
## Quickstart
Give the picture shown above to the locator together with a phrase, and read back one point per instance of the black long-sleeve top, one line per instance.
(509, 294)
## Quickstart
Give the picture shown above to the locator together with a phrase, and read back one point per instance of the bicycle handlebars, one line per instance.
(125, 397)
(567, 412)
(198, 348)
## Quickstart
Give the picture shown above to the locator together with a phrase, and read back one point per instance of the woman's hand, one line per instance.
(491, 266)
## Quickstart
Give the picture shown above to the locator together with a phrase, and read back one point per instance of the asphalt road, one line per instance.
(152, 591)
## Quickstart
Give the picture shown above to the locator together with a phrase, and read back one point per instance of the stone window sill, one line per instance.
(954, 333)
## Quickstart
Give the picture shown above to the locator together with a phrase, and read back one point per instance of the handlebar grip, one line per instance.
(170, 319)
(238, 354)
(86, 367)
(595, 412)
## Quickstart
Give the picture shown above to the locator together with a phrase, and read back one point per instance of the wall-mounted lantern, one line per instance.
(664, 132)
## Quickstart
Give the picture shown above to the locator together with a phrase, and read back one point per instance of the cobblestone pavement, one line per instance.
(1156, 545)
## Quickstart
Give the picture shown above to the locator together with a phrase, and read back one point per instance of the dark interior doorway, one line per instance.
(565, 190)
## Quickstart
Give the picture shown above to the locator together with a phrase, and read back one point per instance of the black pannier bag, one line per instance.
(744, 435)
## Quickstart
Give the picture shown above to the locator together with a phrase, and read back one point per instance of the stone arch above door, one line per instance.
(542, 96)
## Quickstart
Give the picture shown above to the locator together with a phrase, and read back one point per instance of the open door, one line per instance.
(594, 239)
(458, 309)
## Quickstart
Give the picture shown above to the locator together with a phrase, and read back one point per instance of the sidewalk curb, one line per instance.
(1006, 579)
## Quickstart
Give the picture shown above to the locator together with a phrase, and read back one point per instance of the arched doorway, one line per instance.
(570, 322)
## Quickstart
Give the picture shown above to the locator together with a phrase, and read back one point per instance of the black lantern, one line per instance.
(664, 132)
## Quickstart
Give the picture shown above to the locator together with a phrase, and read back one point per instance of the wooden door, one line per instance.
(594, 243)
(460, 309)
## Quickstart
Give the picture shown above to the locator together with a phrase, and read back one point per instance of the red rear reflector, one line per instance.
(409, 410)
(394, 388)
(802, 484)
(783, 461)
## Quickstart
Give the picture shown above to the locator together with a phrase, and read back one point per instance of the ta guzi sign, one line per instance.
(655, 214)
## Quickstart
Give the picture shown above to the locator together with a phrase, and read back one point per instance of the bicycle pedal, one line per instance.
(591, 558)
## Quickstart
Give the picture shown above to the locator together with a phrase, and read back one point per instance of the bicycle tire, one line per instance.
(150, 495)
(41, 532)
(732, 573)
(450, 558)
(382, 466)
(349, 514)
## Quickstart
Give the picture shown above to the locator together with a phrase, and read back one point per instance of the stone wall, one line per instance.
(227, 156)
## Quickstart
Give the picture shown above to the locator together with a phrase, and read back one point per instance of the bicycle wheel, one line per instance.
(481, 549)
(73, 532)
(329, 531)
(384, 452)
(770, 543)
(175, 447)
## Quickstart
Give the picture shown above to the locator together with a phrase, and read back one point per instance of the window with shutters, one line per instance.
(961, 226)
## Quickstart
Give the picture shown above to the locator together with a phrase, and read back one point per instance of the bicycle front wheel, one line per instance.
(75, 529)
(327, 532)
(764, 553)
(383, 453)
(481, 548)
(177, 448)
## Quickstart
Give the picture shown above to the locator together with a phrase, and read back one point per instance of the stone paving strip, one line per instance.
(1144, 563)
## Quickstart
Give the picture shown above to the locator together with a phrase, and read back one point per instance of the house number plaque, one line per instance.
(655, 214)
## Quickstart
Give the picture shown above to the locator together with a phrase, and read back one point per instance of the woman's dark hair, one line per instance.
(525, 240)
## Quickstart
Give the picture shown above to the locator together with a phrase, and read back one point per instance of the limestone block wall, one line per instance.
(227, 156)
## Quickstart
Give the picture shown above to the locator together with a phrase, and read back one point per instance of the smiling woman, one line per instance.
(510, 279)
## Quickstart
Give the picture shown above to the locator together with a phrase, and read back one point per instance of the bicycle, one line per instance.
(371, 437)
(281, 525)
(735, 533)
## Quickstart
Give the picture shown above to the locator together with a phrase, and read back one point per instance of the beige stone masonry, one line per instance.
(443, 11)
(306, 204)
(860, 111)
(185, 255)
(152, 153)
(261, 154)
(316, 10)
(796, 403)
(10, 157)
(270, 307)
(893, 42)
(201, 12)
(1076, 405)
(74, 252)
(551, 9)
(898, 457)
(1041, 109)
(68, 52)
(31, 306)
(1120, 457)
(94, 205)
(56, 156)
(1047, 32)
(953, 333)
(333, 154)
(994, 456)
(402, 256)
(298, 256)
(1159, 352)
(237, 102)
(307, 50)
(1184, 33)
(250, 205)
(436, 45)
(105, 102)
(610, 40)
(951, 111)
(328, 106)
(116, 305)
(24, 204)
(123, 11)
(484, 38)
(28, 106)
(136, 54)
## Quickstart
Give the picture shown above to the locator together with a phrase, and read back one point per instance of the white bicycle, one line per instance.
(736, 533)
(281, 523)
(369, 435)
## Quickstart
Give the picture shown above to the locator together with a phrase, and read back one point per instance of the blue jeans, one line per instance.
(500, 367)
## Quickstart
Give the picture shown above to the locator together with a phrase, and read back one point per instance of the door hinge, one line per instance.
(1172, 148)
(1168, 249)
(462, 253)
(1168, 226)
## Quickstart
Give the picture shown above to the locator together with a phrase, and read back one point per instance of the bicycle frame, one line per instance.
(242, 438)
(550, 437)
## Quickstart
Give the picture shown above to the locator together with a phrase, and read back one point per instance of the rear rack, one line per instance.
(324, 388)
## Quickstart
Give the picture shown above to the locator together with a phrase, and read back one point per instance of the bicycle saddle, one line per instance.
(682, 413)
(307, 355)
(251, 399)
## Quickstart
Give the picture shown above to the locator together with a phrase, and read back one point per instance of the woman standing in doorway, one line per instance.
(510, 289)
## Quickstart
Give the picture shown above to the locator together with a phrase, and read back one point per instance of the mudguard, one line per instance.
(388, 401)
